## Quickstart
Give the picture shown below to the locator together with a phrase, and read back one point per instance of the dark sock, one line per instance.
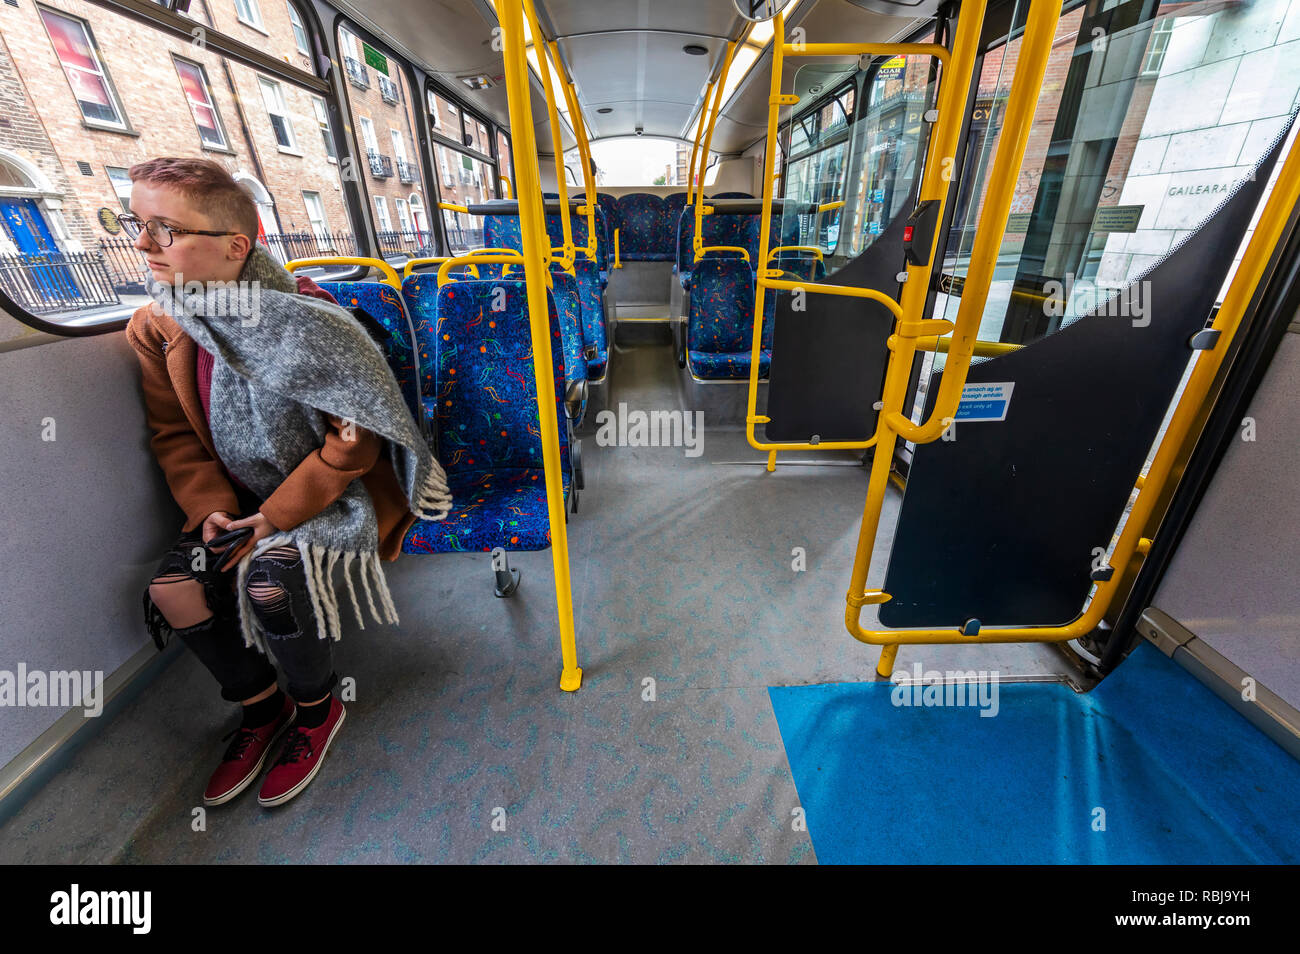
(258, 714)
(311, 717)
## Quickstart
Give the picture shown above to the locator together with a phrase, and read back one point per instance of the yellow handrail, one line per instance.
(413, 263)
(691, 195)
(535, 243)
(1133, 541)
(618, 263)
(830, 206)
(954, 86)
(557, 135)
(698, 240)
(390, 274)
(588, 208)
(1026, 86)
(813, 249)
(705, 249)
(505, 182)
(452, 207)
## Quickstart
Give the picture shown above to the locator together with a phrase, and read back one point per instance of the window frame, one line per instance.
(258, 24)
(211, 104)
(123, 125)
(267, 83)
(299, 29)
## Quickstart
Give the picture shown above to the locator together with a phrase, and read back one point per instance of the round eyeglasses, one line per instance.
(160, 232)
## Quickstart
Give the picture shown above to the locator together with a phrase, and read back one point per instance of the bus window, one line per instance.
(465, 175)
(88, 110)
(1193, 98)
(818, 162)
(383, 115)
(505, 163)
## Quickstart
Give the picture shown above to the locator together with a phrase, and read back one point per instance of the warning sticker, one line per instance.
(985, 402)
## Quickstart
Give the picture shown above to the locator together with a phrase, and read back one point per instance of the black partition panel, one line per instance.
(1000, 524)
(828, 361)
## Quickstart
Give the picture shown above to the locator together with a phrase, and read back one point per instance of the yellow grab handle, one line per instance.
(699, 253)
(796, 248)
(412, 263)
(390, 274)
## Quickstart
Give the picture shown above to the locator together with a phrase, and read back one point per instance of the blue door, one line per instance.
(38, 250)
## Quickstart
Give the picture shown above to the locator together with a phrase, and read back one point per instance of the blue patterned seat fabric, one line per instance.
(609, 204)
(385, 306)
(593, 316)
(644, 233)
(568, 306)
(484, 403)
(720, 326)
(420, 290)
(674, 202)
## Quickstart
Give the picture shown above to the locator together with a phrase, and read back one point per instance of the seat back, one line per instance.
(674, 202)
(420, 292)
(593, 315)
(484, 387)
(399, 345)
(609, 204)
(568, 308)
(722, 306)
(643, 234)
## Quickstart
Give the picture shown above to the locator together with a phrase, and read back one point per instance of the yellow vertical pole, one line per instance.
(557, 134)
(695, 147)
(584, 151)
(532, 225)
(774, 102)
(708, 142)
(1035, 50)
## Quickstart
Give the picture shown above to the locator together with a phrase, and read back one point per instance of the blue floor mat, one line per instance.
(1180, 776)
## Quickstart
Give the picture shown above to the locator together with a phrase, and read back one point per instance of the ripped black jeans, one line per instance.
(277, 588)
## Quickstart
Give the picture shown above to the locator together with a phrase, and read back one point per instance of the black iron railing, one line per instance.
(357, 73)
(406, 171)
(388, 90)
(381, 167)
(51, 282)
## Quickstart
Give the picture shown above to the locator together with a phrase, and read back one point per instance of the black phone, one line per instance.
(231, 541)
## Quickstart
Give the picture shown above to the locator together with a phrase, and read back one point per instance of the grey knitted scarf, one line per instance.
(283, 361)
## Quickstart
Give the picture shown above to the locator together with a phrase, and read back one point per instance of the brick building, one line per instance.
(85, 93)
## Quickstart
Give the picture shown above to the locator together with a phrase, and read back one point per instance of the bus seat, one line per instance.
(719, 327)
(384, 305)
(643, 235)
(484, 404)
(609, 204)
(594, 335)
(568, 306)
(674, 202)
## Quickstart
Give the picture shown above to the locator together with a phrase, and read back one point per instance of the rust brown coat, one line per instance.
(183, 445)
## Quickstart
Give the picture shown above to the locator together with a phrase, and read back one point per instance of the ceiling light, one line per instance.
(695, 49)
(605, 110)
(740, 63)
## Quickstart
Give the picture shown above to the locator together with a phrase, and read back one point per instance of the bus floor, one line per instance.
(459, 745)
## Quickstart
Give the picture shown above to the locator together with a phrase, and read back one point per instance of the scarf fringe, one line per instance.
(318, 566)
(433, 501)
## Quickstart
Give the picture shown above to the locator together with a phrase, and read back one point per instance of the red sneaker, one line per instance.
(304, 751)
(245, 755)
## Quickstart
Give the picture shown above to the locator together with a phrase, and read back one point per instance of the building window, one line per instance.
(381, 207)
(121, 185)
(322, 117)
(197, 91)
(273, 97)
(75, 48)
(249, 13)
(299, 32)
(1155, 55)
(403, 215)
(316, 216)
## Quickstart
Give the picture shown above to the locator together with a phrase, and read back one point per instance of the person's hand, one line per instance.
(262, 528)
(214, 524)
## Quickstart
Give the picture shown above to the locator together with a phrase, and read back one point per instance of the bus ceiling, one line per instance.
(639, 69)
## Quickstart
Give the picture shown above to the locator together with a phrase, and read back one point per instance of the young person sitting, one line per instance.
(273, 413)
